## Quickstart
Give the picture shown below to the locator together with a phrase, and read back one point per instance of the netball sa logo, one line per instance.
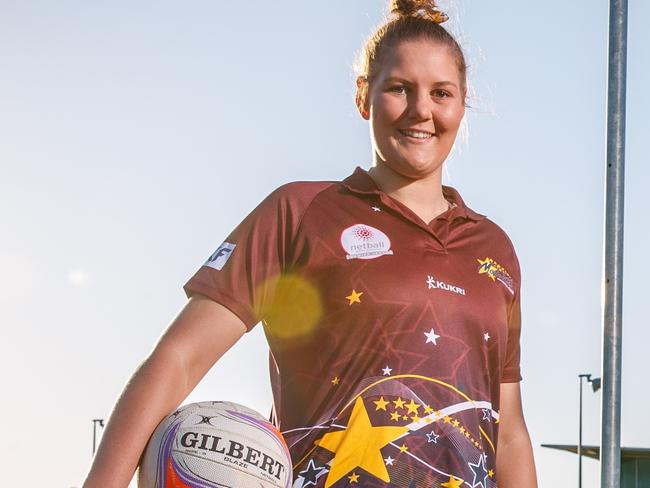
(364, 242)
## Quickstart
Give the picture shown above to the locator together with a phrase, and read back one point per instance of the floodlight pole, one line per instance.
(610, 468)
(101, 424)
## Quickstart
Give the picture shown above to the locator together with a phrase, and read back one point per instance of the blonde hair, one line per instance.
(409, 20)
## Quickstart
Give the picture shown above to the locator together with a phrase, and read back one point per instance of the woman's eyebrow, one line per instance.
(397, 79)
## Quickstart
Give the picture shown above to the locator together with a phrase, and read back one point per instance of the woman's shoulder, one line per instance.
(299, 193)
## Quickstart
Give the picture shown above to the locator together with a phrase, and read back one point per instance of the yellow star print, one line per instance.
(358, 446)
(456, 423)
(336, 380)
(354, 477)
(354, 297)
(381, 404)
(412, 407)
(428, 409)
(453, 483)
(403, 448)
(447, 419)
(399, 403)
(394, 416)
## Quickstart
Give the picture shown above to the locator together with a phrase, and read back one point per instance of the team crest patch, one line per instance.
(364, 242)
(221, 256)
(496, 272)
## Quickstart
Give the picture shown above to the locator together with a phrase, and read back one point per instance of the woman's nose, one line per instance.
(421, 106)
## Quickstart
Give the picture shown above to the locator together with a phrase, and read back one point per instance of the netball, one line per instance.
(215, 444)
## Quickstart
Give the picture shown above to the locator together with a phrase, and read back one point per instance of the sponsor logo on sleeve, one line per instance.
(361, 241)
(496, 272)
(221, 256)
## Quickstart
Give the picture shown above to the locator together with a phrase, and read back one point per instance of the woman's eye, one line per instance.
(398, 89)
(441, 93)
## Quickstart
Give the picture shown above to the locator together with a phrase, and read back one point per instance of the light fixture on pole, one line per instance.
(101, 424)
(595, 386)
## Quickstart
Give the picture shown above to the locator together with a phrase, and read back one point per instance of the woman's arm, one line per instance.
(515, 463)
(201, 333)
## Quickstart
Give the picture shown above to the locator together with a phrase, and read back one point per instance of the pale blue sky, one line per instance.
(133, 137)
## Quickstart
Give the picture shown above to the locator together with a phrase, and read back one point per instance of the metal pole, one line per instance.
(101, 424)
(613, 272)
(580, 437)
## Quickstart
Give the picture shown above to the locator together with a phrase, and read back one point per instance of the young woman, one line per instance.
(391, 309)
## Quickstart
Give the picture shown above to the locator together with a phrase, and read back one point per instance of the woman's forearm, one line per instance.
(196, 339)
(515, 463)
(155, 389)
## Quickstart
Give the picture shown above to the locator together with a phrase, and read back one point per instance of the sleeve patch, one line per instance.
(220, 257)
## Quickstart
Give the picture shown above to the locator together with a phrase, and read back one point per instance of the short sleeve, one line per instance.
(512, 370)
(244, 270)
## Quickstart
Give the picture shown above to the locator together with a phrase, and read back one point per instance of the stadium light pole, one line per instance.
(595, 385)
(101, 424)
(610, 451)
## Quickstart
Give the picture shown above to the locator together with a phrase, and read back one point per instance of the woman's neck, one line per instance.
(423, 196)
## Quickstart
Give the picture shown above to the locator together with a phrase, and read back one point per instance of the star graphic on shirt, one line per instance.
(354, 297)
(453, 482)
(381, 404)
(310, 474)
(354, 477)
(427, 409)
(359, 446)
(399, 403)
(403, 448)
(387, 370)
(479, 472)
(412, 407)
(486, 336)
(486, 414)
(395, 416)
(336, 380)
(432, 437)
(376, 209)
(490, 473)
(487, 266)
(456, 423)
(431, 337)
(389, 461)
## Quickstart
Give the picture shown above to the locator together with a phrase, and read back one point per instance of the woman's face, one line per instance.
(415, 105)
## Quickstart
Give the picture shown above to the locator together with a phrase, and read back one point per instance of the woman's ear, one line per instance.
(362, 97)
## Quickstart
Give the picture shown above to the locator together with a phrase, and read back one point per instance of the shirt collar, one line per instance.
(361, 182)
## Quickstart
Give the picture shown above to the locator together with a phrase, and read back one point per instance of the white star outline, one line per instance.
(432, 437)
(480, 466)
(387, 371)
(389, 461)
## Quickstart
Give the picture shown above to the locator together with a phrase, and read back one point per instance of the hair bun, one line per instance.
(426, 9)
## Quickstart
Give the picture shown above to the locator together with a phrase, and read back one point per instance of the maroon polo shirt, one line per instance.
(389, 337)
